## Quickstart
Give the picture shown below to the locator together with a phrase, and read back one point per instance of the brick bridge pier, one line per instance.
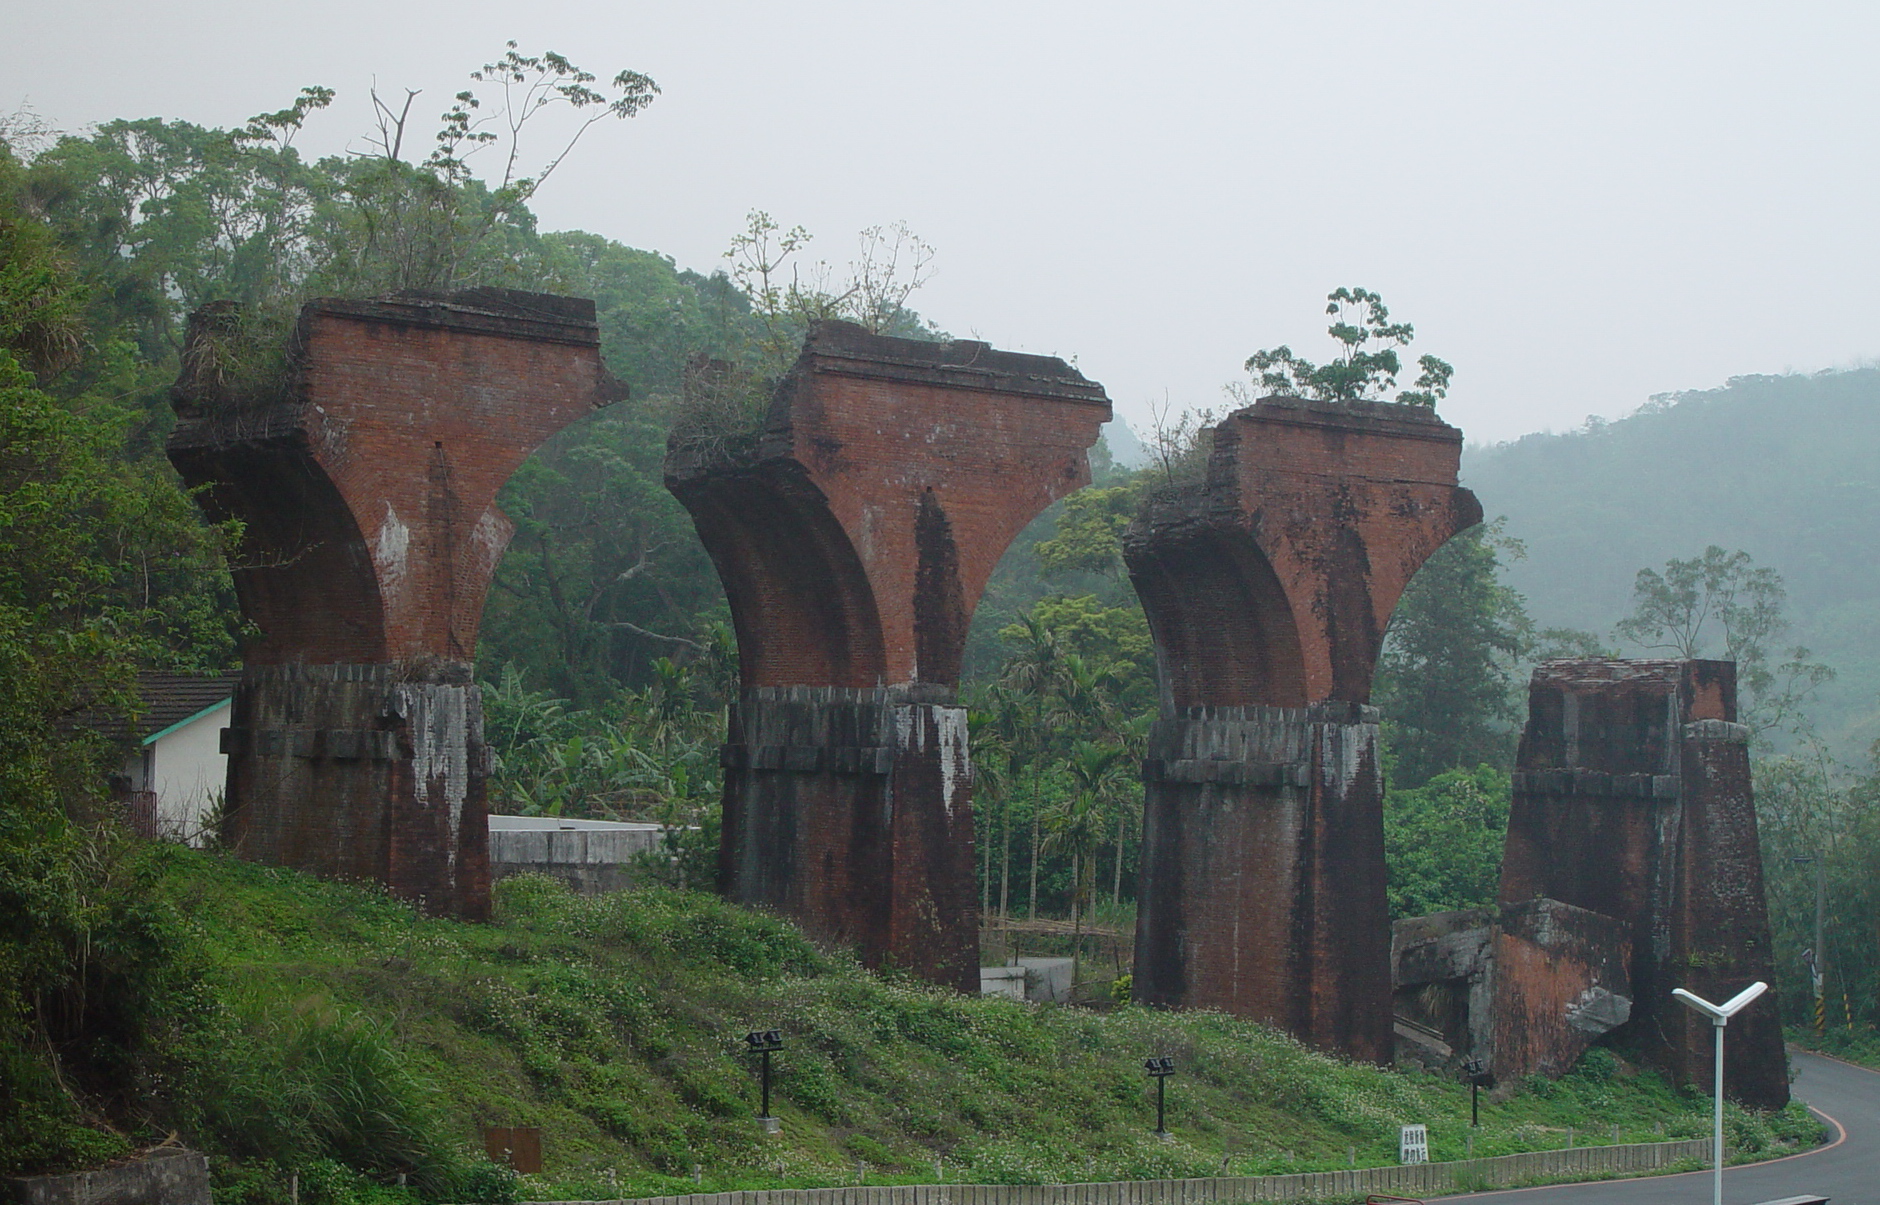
(1268, 586)
(367, 488)
(854, 537)
(1632, 798)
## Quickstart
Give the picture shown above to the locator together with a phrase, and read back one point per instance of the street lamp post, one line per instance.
(766, 1042)
(1160, 1067)
(1720, 1015)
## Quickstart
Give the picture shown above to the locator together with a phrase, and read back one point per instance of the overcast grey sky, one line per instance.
(1579, 205)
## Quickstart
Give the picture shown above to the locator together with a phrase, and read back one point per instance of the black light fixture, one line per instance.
(1160, 1068)
(765, 1042)
(1474, 1069)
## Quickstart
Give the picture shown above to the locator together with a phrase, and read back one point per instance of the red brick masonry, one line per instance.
(1523, 988)
(367, 489)
(1632, 797)
(1268, 587)
(854, 537)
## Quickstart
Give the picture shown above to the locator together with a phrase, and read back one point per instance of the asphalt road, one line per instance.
(1847, 1097)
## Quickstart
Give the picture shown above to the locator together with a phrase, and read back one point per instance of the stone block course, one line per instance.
(171, 1176)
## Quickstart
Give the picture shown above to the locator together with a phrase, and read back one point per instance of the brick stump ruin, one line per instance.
(1522, 989)
(1267, 587)
(854, 535)
(1632, 798)
(367, 488)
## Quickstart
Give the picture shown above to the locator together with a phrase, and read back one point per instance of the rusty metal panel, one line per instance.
(518, 1146)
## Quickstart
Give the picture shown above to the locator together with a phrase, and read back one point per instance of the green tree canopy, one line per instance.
(1727, 595)
(1366, 365)
(1445, 681)
(1443, 842)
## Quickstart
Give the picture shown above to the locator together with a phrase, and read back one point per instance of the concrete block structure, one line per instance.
(1523, 989)
(854, 535)
(1039, 980)
(1268, 586)
(165, 1176)
(1632, 796)
(367, 488)
(593, 857)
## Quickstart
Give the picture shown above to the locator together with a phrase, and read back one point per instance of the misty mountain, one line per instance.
(1785, 468)
(1126, 450)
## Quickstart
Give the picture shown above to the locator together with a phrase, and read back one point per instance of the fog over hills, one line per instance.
(1785, 468)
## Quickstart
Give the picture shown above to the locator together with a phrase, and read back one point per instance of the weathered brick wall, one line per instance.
(854, 538)
(1632, 797)
(1268, 587)
(1562, 979)
(808, 817)
(376, 773)
(1720, 941)
(1263, 825)
(367, 490)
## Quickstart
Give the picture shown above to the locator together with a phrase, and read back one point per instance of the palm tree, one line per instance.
(1078, 823)
(992, 785)
(1088, 701)
(1033, 674)
(1133, 736)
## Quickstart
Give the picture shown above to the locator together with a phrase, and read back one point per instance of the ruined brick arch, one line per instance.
(300, 541)
(1267, 586)
(1223, 629)
(1363, 615)
(800, 598)
(367, 488)
(854, 536)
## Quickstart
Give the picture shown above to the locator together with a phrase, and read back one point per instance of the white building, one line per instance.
(174, 775)
(174, 768)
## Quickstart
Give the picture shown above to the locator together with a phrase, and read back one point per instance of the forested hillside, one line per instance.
(1784, 468)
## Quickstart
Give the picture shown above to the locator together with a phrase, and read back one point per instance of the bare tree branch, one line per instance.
(637, 630)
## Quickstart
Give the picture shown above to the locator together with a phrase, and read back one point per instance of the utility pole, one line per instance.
(1817, 958)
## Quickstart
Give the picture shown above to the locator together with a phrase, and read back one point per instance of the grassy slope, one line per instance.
(1860, 1046)
(615, 1024)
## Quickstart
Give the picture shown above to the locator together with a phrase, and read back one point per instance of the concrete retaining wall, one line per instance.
(172, 1177)
(591, 856)
(1425, 1179)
